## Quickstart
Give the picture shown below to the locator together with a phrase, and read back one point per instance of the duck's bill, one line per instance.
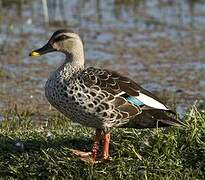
(45, 49)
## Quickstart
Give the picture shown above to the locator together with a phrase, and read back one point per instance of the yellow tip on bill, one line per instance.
(34, 53)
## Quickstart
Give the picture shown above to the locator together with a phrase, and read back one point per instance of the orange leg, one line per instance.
(96, 143)
(106, 143)
(90, 156)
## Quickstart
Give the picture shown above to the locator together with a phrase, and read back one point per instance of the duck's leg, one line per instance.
(106, 143)
(90, 156)
(96, 143)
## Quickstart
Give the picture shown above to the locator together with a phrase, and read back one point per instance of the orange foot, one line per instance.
(90, 157)
(84, 156)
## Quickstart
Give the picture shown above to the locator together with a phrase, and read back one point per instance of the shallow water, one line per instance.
(158, 43)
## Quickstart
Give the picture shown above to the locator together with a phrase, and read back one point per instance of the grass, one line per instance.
(172, 153)
(3, 74)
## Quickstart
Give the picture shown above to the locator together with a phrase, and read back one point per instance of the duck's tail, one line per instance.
(153, 119)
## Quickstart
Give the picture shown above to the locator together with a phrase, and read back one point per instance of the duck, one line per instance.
(99, 98)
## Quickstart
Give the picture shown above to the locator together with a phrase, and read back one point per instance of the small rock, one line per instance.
(19, 146)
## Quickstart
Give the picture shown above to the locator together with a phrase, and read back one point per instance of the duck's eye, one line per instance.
(62, 37)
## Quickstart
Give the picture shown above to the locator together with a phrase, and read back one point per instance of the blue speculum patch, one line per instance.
(134, 101)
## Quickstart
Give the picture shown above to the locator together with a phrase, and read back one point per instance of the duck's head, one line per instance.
(62, 40)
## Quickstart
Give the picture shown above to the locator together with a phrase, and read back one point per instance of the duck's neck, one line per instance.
(75, 56)
(75, 59)
(73, 63)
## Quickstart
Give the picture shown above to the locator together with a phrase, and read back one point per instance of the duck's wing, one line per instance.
(129, 97)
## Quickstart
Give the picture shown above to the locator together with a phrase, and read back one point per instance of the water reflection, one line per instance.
(173, 14)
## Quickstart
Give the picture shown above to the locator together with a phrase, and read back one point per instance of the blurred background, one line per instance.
(158, 43)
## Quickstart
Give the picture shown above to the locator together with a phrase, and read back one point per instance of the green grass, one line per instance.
(170, 153)
(3, 74)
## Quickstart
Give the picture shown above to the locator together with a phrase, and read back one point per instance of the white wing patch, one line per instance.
(149, 101)
(119, 94)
